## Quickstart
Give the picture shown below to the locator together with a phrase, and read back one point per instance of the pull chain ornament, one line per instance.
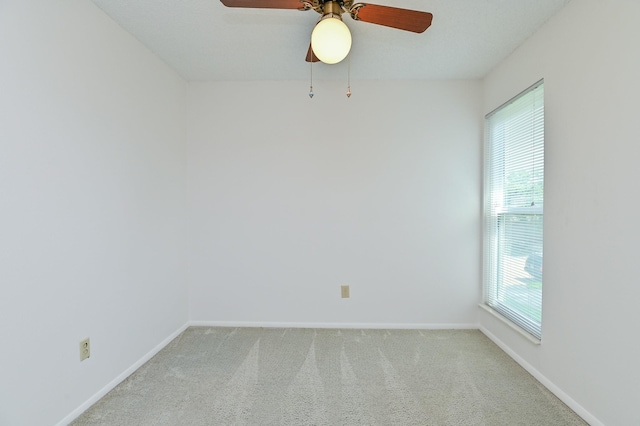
(311, 91)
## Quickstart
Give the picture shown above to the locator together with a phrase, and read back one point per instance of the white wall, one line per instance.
(589, 57)
(291, 197)
(92, 215)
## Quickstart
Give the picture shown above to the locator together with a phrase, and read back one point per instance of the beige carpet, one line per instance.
(254, 376)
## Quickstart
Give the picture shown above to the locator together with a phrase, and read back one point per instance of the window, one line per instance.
(514, 200)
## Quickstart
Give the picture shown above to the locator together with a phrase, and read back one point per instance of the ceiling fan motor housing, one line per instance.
(331, 8)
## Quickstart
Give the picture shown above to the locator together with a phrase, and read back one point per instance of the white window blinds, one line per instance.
(514, 201)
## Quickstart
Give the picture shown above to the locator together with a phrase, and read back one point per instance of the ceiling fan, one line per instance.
(331, 39)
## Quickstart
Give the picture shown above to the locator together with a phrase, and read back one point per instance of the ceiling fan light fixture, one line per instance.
(331, 40)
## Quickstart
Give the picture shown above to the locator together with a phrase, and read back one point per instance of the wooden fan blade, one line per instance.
(402, 19)
(266, 4)
(311, 57)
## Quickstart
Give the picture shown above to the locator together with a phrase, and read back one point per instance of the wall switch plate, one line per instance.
(345, 291)
(85, 349)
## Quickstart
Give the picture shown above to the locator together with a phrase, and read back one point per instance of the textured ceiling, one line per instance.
(204, 40)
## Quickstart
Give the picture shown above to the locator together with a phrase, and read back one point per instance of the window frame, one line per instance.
(496, 214)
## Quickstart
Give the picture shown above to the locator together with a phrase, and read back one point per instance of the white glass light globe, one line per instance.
(331, 40)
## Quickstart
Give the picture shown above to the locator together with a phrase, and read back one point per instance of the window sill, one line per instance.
(511, 325)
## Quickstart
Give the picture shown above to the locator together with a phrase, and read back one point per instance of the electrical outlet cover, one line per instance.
(85, 349)
(345, 291)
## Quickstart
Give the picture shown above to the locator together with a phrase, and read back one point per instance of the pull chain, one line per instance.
(349, 76)
(311, 84)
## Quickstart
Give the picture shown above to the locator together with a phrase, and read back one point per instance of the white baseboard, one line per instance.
(370, 326)
(570, 402)
(115, 382)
